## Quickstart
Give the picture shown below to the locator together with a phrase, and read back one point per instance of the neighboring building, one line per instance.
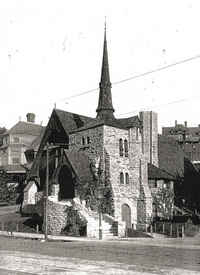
(15, 142)
(97, 157)
(186, 161)
(187, 137)
(161, 184)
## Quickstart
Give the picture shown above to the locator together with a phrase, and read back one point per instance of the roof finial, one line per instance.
(105, 25)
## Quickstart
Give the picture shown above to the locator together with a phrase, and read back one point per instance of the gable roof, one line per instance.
(28, 128)
(36, 142)
(157, 173)
(81, 165)
(71, 121)
(124, 123)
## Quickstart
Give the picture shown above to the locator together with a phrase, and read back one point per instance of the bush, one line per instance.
(76, 224)
(191, 230)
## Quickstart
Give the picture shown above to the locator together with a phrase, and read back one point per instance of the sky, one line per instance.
(51, 51)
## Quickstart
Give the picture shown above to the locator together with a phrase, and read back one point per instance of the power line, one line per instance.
(160, 105)
(138, 75)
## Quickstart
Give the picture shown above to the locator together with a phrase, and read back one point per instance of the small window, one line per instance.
(121, 147)
(121, 178)
(15, 139)
(126, 147)
(15, 160)
(83, 141)
(88, 140)
(127, 178)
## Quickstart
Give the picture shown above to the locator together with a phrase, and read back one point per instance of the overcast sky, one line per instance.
(51, 50)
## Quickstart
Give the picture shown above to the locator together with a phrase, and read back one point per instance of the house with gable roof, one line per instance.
(96, 163)
(15, 142)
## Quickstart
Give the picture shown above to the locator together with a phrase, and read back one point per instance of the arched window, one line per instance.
(126, 147)
(121, 178)
(121, 147)
(127, 178)
(88, 140)
(83, 141)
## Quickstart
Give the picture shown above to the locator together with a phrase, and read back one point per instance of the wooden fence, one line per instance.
(172, 229)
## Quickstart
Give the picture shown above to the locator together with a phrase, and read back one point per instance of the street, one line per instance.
(25, 256)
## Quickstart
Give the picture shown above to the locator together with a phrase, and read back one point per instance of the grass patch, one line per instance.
(16, 222)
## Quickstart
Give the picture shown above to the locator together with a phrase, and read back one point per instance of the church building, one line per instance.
(94, 165)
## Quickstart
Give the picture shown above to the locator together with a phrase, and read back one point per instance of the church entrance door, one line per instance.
(65, 181)
(126, 215)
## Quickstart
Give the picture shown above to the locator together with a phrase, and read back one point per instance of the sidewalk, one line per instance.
(41, 236)
(189, 243)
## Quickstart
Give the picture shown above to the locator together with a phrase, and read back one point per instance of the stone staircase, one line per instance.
(92, 217)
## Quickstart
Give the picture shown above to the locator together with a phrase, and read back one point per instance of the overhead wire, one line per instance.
(138, 75)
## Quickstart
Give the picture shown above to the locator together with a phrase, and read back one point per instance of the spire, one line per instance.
(105, 108)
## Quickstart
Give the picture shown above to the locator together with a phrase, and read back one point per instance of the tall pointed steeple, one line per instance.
(105, 108)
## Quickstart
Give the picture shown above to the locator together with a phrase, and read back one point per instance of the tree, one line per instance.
(163, 200)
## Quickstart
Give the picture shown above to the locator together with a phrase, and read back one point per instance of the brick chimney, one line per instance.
(30, 117)
(185, 123)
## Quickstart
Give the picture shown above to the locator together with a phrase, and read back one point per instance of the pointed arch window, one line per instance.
(126, 147)
(88, 140)
(121, 147)
(127, 178)
(121, 178)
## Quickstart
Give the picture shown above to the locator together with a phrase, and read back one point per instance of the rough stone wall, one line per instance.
(57, 217)
(150, 136)
(144, 206)
(95, 145)
(56, 214)
(126, 193)
(104, 142)
(139, 167)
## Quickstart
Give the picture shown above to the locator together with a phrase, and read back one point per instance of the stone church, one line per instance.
(94, 164)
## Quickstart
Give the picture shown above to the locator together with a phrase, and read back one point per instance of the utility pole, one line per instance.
(100, 196)
(46, 192)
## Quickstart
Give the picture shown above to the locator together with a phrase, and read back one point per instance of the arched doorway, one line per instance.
(66, 184)
(126, 215)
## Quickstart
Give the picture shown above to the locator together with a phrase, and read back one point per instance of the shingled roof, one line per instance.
(81, 165)
(36, 142)
(28, 128)
(71, 121)
(157, 173)
(74, 122)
